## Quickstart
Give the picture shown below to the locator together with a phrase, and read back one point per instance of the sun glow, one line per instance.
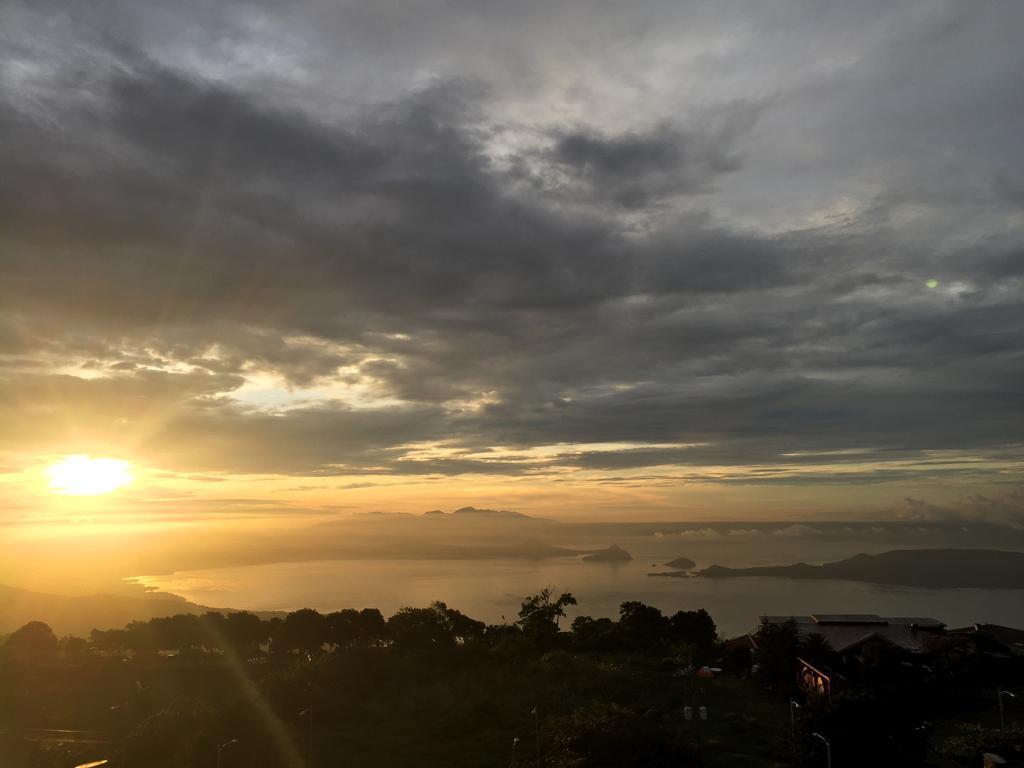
(85, 476)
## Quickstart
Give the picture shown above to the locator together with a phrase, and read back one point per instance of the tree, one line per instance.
(695, 628)
(777, 646)
(435, 627)
(72, 647)
(182, 734)
(33, 642)
(643, 627)
(539, 614)
(816, 649)
(595, 634)
(304, 630)
(350, 627)
(244, 631)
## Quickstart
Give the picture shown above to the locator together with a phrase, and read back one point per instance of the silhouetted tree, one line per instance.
(433, 627)
(33, 642)
(244, 631)
(304, 630)
(181, 735)
(695, 628)
(777, 646)
(590, 634)
(350, 627)
(109, 640)
(72, 647)
(643, 627)
(816, 649)
(539, 614)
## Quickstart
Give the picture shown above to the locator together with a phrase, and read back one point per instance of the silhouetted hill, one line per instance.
(930, 568)
(494, 513)
(78, 615)
(613, 554)
(682, 563)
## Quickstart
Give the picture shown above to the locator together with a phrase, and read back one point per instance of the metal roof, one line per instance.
(848, 618)
(847, 631)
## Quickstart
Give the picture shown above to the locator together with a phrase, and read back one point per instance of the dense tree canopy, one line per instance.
(433, 687)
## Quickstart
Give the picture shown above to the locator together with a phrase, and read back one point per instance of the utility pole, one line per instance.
(828, 749)
(793, 705)
(536, 733)
(1002, 717)
(308, 712)
(696, 716)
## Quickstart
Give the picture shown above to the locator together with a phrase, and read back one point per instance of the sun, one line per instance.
(85, 476)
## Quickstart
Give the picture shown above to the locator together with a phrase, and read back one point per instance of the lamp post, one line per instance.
(536, 732)
(308, 712)
(828, 749)
(793, 706)
(999, 695)
(222, 747)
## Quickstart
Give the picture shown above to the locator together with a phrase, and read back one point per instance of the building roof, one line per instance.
(1009, 637)
(847, 631)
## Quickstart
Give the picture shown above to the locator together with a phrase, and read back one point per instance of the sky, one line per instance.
(592, 260)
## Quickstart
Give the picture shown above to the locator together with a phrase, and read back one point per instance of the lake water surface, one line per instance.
(491, 590)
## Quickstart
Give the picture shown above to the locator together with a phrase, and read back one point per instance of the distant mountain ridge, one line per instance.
(490, 514)
(928, 568)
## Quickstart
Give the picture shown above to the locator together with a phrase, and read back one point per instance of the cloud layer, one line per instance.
(683, 242)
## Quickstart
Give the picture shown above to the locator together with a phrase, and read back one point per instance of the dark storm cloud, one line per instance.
(178, 221)
(633, 170)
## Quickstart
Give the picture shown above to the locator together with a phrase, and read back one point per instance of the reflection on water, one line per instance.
(492, 589)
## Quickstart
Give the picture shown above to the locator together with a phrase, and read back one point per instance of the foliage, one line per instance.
(351, 627)
(432, 687)
(540, 613)
(609, 736)
(970, 740)
(777, 647)
(816, 649)
(304, 630)
(695, 628)
(590, 634)
(435, 627)
(643, 626)
(34, 642)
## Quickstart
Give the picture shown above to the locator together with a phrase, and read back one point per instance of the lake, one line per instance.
(491, 590)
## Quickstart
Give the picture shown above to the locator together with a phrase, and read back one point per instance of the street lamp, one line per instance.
(999, 695)
(793, 706)
(828, 749)
(222, 747)
(536, 732)
(308, 712)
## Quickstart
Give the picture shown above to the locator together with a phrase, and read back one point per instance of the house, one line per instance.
(854, 640)
(993, 639)
(848, 633)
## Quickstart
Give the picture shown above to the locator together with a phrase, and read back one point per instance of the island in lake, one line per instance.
(928, 568)
(613, 554)
(682, 563)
